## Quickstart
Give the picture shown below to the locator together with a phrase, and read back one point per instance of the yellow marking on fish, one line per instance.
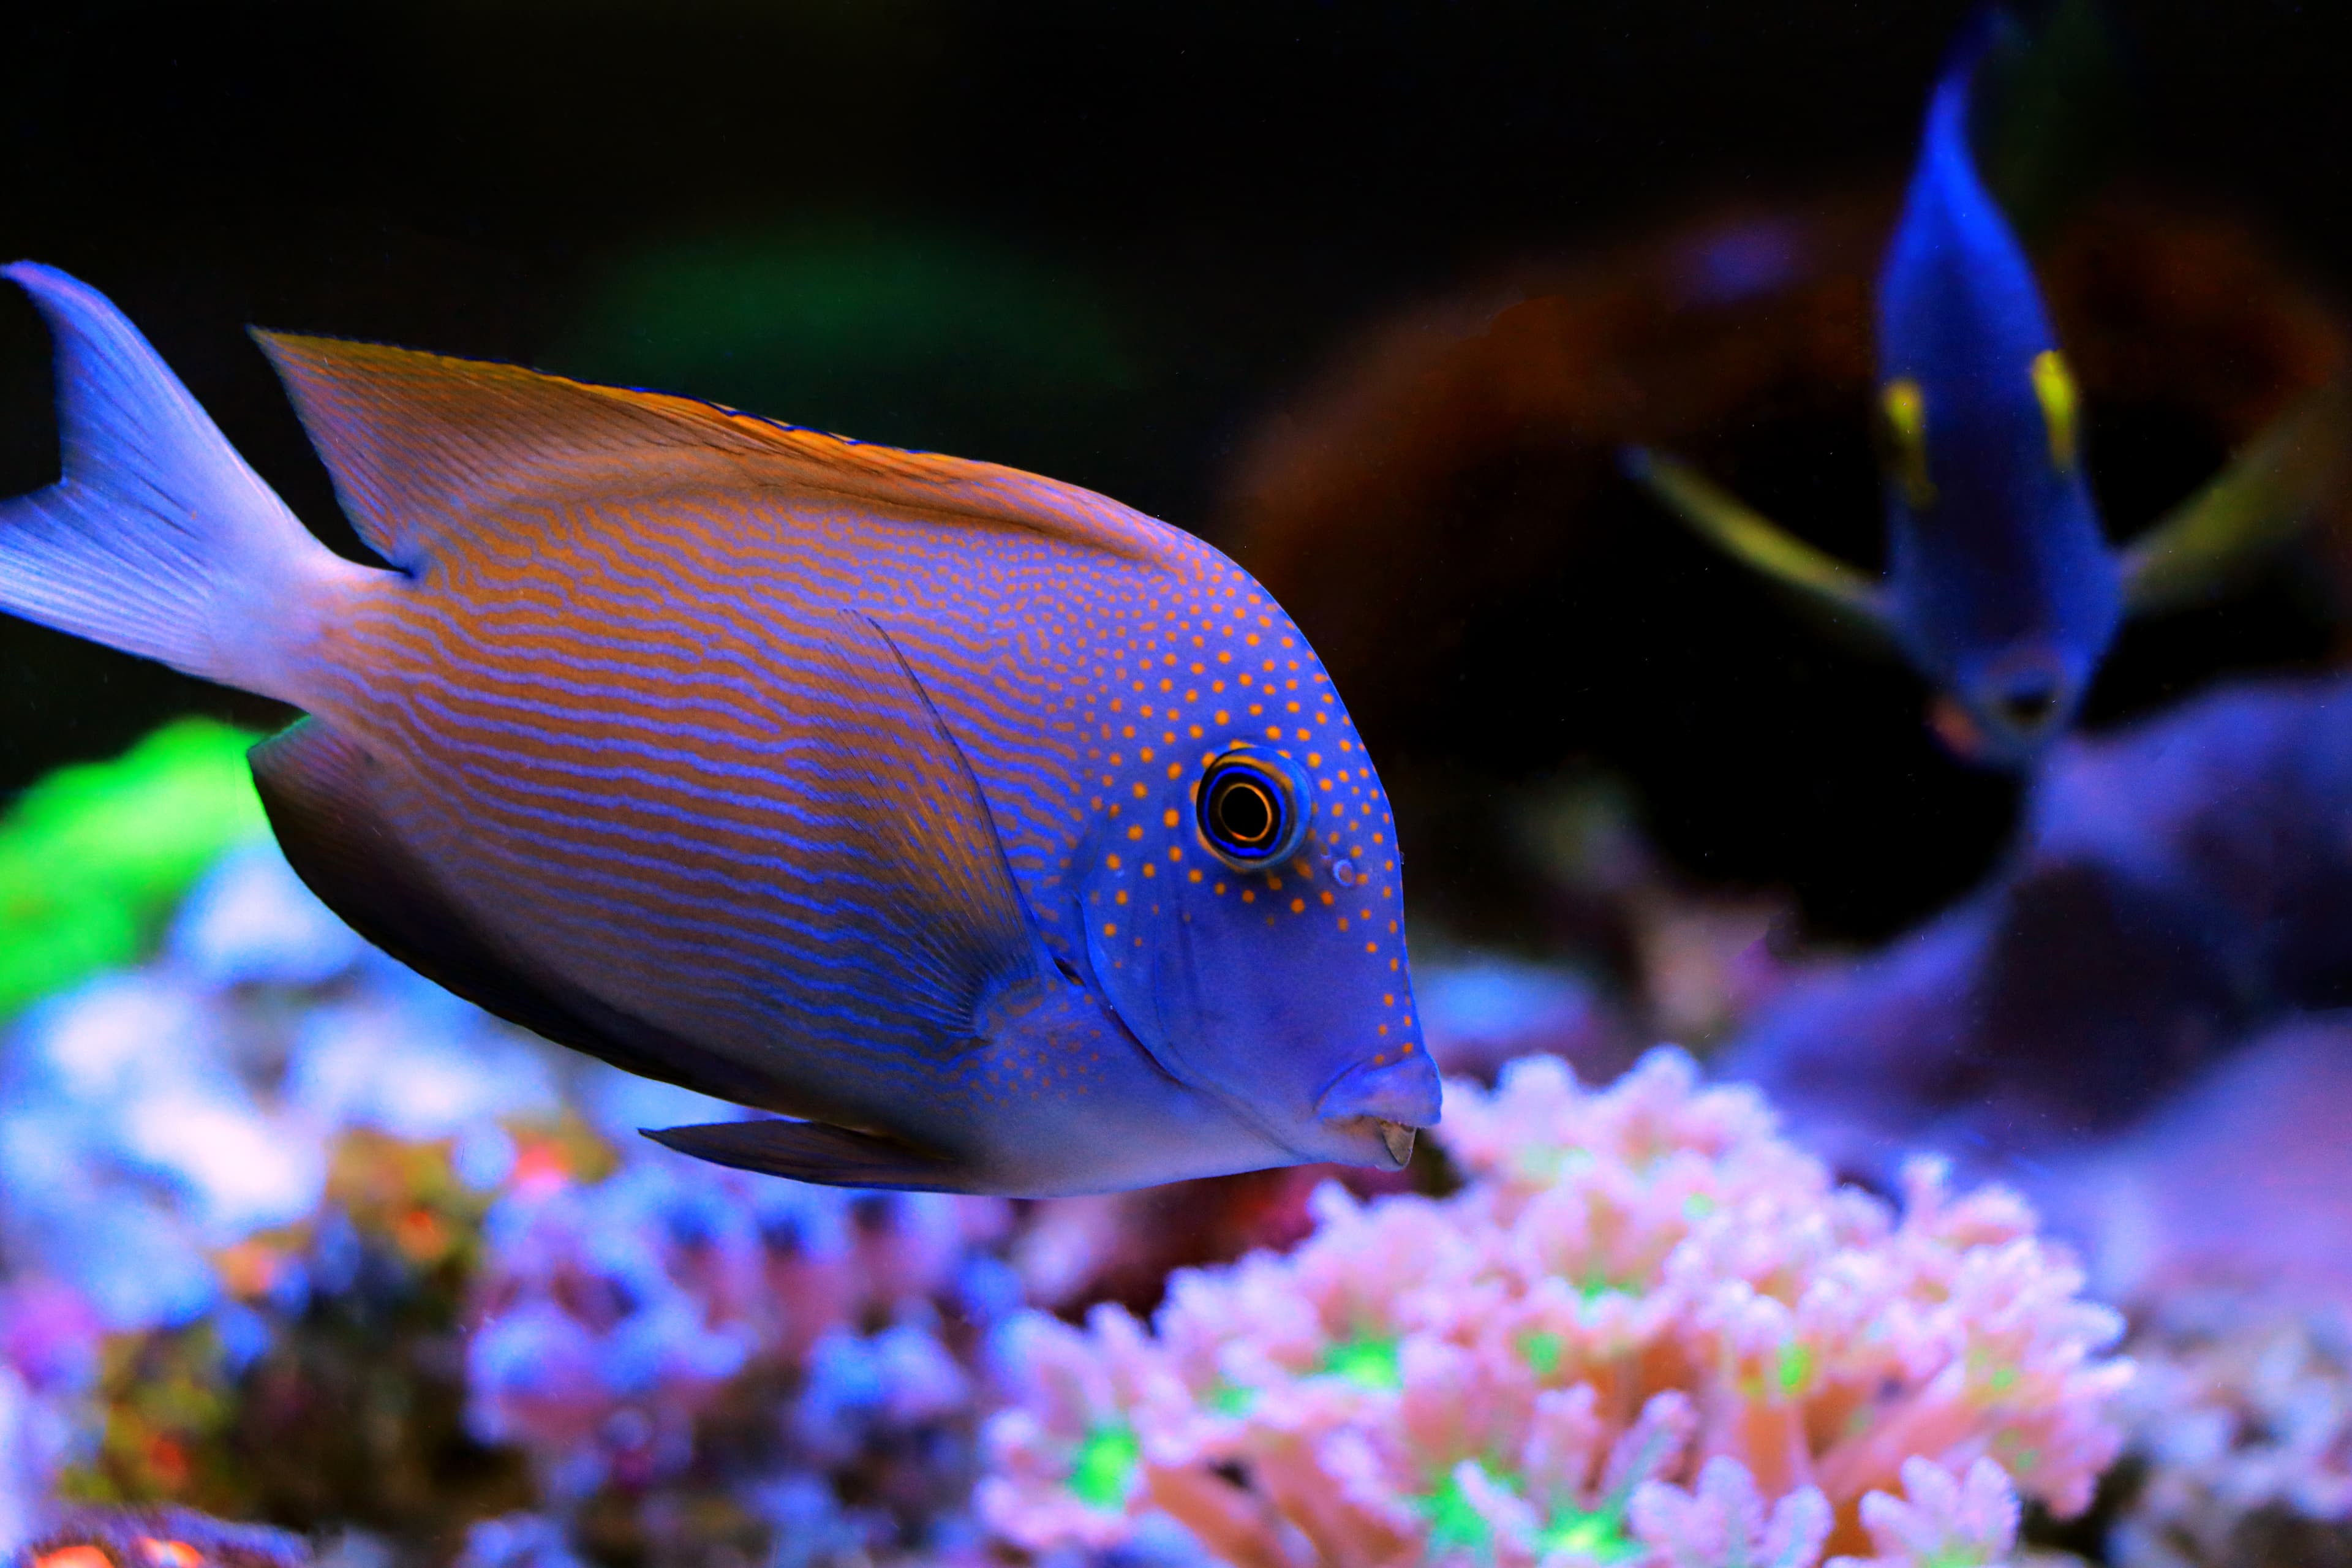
(2053, 387)
(1905, 401)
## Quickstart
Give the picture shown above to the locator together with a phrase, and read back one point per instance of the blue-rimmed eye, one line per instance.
(1252, 807)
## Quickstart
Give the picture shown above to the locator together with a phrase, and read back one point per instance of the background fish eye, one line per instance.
(1252, 810)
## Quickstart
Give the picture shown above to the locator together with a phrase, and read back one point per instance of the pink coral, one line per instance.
(1646, 1330)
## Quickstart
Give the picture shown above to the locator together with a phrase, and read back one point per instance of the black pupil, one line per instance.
(1243, 811)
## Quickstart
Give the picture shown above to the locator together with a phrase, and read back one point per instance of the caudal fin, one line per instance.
(157, 538)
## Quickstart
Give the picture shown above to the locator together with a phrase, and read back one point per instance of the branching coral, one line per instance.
(1645, 1330)
(2242, 1436)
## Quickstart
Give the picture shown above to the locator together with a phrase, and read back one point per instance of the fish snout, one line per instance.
(2030, 702)
(1386, 1100)
(2023, 700)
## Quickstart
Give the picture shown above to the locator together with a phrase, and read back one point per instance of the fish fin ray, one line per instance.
(319, 788)
(157, 538)
(820, 1152)
(427, 451)
(2258, 501)
(1721, 519)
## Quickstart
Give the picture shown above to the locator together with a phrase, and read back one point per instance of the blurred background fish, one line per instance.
(2001, 585)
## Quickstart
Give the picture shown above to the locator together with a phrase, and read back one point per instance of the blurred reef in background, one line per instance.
(289, 1236)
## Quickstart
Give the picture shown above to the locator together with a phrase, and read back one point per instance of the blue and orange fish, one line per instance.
(1001, 839)
(2001, 588)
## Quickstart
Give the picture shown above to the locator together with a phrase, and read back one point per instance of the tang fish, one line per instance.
(1000, 837)
(2001, 588)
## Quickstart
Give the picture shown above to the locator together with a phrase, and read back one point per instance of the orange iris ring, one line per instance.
(1271, 780)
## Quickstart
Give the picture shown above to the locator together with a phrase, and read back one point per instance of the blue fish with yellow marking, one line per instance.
(993, 836)
(2001, 588)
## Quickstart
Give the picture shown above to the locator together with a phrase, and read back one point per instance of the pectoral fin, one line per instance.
(1851, 597)
(950, 918)
(2247, 510)
(814, 1152)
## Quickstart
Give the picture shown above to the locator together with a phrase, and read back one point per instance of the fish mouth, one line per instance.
(1397, 1138)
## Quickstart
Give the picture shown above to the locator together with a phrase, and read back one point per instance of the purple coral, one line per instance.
(609, 1319)
(1646, 1330)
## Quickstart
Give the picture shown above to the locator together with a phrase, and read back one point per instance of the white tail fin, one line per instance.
(157, 538)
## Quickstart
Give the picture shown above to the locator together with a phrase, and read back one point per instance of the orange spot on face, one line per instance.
(1110, 930)
(1406, 1049)
(73, 1557)
(1119, 896)
(1111, 861)
(1298, 906)
(1135, 831)
(1194, 874)
(1248, 896)
(1326, 896)
(1139, 790)
(1372, 947)
(1167, 818)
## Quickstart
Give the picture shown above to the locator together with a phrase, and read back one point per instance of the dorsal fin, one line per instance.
(423, 448)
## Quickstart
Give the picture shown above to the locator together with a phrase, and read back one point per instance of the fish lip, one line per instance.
(1397, 1138)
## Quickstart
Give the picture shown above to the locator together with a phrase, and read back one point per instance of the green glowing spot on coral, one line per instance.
(1103, 1473)
(1598, 1536)
(1454, 1524)
(1542, 1350)
(93, 857)
(2002, 1379)
(1794, 1370)
(1594, 1288)
(1698, 1206)
(1231, 1399)
(1368, 1362)
(1547, 1164)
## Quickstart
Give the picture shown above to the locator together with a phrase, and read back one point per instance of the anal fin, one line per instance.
(320, 790)
(817, 1152)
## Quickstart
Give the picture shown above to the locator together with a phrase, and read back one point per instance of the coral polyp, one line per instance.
(1645, 1330)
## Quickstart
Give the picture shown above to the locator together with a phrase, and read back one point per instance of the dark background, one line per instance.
(1099, 240)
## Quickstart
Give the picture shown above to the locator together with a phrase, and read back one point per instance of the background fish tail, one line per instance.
(157, 538)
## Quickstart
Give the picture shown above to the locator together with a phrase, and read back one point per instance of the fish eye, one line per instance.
(1252, 809)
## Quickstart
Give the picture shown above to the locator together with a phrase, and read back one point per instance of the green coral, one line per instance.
(1368, 1362)
(1103, 1473)
(1595, 1535)
(1454, 1524)
(93, 857)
